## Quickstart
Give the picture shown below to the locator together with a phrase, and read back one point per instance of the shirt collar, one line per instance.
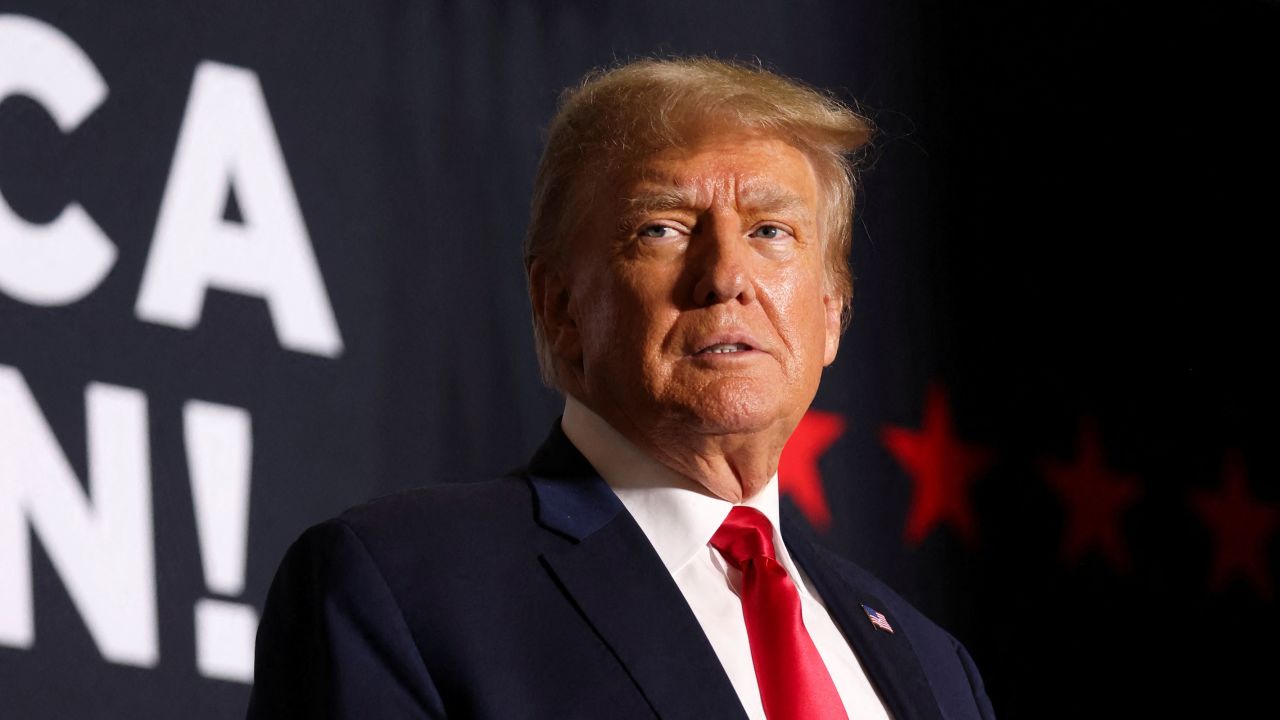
(677, 514)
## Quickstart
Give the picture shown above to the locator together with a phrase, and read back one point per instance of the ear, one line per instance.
(834, 313)
(549, 294)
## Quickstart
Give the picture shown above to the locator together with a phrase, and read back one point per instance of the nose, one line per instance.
(722, 264)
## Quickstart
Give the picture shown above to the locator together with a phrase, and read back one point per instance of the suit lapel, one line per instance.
(888, 658)
(619, 584)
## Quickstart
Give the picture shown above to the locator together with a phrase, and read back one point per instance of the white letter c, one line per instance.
(62, 261)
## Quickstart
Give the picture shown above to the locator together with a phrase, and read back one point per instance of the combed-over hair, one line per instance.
(616, 118)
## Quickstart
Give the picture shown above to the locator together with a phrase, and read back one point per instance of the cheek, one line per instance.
(799, 300)
(645, 309)
(625, 325)
(596, 312)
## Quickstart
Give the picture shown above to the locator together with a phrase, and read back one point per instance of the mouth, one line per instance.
(725, 349)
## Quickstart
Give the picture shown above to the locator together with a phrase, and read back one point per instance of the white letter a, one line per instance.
(227, 140)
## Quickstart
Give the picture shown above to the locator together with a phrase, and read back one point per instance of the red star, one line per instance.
(941, 467)
(1094, 498)
(1241, 526)
(798, 468)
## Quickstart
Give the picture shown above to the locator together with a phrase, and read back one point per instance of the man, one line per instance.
(687, 262)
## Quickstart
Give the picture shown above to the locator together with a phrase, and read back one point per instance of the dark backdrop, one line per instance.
(1061, 328)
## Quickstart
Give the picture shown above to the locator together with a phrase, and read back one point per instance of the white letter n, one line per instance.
(100, 543)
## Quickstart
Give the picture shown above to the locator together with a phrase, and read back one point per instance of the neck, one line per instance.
(732, 466)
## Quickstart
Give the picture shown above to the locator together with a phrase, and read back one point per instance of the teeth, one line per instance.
(722, 348)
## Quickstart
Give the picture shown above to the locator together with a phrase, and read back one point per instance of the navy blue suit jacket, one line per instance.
(537, 596)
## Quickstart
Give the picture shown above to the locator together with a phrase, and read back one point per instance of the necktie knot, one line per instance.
(744, 535)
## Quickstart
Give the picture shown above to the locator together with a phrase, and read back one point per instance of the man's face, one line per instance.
(698, 291)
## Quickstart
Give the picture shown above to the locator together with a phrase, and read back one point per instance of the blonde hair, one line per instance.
(616, 118)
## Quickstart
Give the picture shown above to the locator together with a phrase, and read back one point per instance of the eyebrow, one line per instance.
(764, 197)
(660, 200)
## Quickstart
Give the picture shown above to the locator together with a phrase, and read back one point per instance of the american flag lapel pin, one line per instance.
(877, 618)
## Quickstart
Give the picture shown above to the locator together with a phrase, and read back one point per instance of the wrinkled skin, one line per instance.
(714, 245)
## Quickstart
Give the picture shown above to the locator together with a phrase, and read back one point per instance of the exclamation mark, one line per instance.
(219, 448)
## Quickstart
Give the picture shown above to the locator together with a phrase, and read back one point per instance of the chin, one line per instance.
(735, 408)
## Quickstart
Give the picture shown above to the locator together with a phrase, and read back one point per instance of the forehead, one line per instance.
(736, 167)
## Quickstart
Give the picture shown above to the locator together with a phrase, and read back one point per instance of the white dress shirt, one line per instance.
(679, 516)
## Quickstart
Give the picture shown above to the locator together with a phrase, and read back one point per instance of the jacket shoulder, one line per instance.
(458, 502)
(449, 523)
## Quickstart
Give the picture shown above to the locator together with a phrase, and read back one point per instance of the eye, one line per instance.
(658, 232)
(655, 231)
(769, 232)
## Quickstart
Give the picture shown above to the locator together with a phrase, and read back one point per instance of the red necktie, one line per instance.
(794, 682)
